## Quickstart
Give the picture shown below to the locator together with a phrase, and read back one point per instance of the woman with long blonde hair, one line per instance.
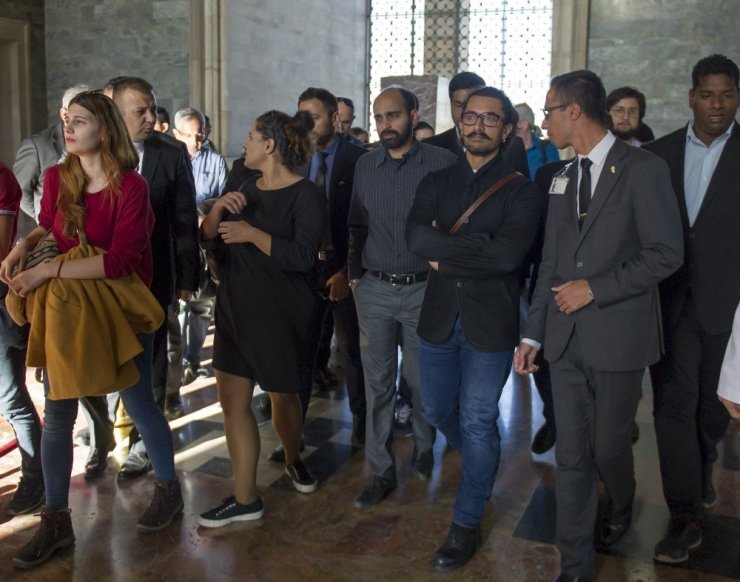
(95, 193)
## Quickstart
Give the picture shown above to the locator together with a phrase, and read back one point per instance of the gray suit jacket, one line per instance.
(35, 155)
(630, 241)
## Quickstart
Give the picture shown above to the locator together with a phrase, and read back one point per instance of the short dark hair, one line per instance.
(626, 93)
(163, 116)
(714, 65)
(327, 99)
(423, 125)
(347, 101)
(122, 84)
(510, 114)
(465, 80)
(585, 88)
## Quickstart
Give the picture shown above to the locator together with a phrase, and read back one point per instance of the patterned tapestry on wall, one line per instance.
(507, 42)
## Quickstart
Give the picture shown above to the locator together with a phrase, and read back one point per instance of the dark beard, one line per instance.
(398, 139)
(481, 149)
(625, 135)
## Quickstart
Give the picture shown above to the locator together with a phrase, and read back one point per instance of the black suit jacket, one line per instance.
(711, 270)
(629, 242)
(175, 236)
(340, 196)
(480, 266)
(514, 153)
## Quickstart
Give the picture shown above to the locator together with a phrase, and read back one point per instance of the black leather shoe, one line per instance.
(544, 439)
(173, 407)
(97, 461)
(373, 493)
(423, 464)
(615, 527)
(459, 547)
(566, 578)
(136, 465)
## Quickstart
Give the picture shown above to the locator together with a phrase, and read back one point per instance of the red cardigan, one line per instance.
(119, 223)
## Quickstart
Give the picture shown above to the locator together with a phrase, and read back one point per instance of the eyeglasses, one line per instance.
(188, 135)
(624, 111)
(546, 111)
(488, 119)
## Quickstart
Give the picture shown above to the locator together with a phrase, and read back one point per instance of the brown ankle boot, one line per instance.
(54, 533)
(166, 504)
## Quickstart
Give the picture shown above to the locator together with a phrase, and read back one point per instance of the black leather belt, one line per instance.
(400, 279)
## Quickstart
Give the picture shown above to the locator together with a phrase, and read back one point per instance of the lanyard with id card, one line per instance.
(558, 185)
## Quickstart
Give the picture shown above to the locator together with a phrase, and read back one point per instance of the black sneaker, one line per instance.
(54, 533)
(230, 511)
(684, 534)
(28, 496)
(166, 504)
(303, 481)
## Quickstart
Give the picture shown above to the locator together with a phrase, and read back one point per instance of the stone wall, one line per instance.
(90, 41)
(32, 11)
(277, 48)
(653, 45)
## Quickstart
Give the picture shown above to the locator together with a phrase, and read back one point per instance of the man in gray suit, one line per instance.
(613, 233)
(35, 155)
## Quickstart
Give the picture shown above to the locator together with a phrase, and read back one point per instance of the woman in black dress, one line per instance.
(265, 240)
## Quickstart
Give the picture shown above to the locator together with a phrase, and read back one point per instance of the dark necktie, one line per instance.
(584, 190)
(320, 178)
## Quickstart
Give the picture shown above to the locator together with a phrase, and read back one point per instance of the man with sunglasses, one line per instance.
(469, 322)
(613, 233)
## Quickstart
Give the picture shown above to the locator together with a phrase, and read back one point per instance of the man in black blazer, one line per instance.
(175, 235)
(332, 168)
(469, 322)
(613, 232)
(698, 301)
(460, 88)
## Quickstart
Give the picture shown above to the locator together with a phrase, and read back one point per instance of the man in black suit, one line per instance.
(613, 232)
(461, 86)
(469, 322)
(332, 168)
(698, 301)
(175, 235)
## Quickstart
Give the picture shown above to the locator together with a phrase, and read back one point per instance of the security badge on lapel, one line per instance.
(558, 185)
(560, 181)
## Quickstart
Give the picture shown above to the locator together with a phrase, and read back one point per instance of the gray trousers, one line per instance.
(593, 412)
(386, 313)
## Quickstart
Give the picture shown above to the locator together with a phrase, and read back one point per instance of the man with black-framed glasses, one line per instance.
(469, 322)
(461, 87)
(613, 233)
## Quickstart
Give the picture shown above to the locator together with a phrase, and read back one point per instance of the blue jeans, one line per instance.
(15, 403)
(460, 389)
(59, 420)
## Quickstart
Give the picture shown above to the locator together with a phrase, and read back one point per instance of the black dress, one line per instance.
(265, 303)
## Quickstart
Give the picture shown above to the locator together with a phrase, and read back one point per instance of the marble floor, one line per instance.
(323, 537)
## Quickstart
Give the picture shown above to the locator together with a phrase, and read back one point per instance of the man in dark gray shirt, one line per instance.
(387, 281)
